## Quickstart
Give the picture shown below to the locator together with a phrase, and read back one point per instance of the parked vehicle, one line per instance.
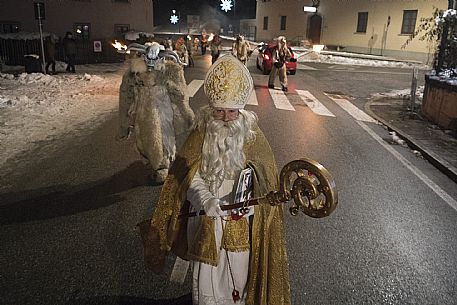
(264, 59)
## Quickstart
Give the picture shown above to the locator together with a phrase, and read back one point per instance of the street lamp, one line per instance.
(310, 9)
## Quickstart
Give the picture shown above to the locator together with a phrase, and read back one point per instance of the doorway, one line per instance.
(314, 29)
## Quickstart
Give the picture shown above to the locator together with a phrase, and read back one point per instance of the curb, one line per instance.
(430, 156)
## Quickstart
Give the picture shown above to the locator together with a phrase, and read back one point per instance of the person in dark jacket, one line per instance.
(215, 46)
(203, 43)
(50, 53)
(69, 47)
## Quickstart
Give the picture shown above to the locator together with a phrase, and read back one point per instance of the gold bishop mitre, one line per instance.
(228, 83)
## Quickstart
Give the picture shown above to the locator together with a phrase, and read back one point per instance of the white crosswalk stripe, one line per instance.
(313, 103)
(193, 86)
(280, 100)
(355, 112)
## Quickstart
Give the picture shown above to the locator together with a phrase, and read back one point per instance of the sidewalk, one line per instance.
(438, 147)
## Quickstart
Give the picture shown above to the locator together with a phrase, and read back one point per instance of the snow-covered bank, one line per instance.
(355, 59)
(36, 107)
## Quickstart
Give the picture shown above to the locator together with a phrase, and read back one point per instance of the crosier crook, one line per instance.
(312, 181)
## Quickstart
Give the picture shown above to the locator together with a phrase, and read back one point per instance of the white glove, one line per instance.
(212, 208)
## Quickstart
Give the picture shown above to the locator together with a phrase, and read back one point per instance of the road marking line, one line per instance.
(280, 100)
(435, 187)
(253, 99)
(355, 112)
(194, 86)
(313, 103)
(301, 66)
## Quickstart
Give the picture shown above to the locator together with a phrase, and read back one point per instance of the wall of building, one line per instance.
(61, 15)
(340, 24)
(296, 24)
(248, 28)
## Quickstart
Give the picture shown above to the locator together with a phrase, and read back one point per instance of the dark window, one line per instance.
(120, 29)
(265, 23)
(409, 21)
(283, 23)
(362, 21)
(126, 1)
(82, 31)
(9, 27)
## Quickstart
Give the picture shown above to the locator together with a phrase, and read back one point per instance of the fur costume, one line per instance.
(241, 49)
(155, 105)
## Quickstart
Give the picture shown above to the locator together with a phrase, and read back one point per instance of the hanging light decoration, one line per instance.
(174, 18)
(226, 5)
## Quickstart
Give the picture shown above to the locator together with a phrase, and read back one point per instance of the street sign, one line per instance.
(39, 10)
(97, 46)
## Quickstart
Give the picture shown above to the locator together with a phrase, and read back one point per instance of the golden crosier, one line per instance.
(307, 182)
(311, 187)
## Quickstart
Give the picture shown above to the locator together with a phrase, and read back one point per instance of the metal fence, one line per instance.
(12, 52)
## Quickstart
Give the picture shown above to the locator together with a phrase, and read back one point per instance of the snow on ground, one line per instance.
(37, 108)
(340, 58)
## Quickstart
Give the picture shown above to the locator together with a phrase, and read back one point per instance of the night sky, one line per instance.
(245, 9)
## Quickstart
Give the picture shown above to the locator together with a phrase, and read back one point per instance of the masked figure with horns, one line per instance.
(236, 256)
(241, 49)
(154, 105)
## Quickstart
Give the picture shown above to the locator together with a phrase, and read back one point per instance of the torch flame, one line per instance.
(210, 38)
(119, 46)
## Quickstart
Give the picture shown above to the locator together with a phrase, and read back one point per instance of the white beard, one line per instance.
(222, 152)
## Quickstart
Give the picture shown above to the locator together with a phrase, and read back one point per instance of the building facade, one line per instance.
(87, 19)
(379, 27)
(282, 17)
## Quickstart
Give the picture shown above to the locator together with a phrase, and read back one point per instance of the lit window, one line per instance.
(362, 21)
(409, 21)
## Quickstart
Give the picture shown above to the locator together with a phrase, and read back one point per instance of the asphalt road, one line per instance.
(68, 230)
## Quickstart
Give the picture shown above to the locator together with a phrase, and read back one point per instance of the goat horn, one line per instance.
(137, 45)
(143, 51)
(171, 54)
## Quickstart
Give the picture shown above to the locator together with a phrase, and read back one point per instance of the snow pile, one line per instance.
(36, 107)
(311, 56)
(401, 94)
(445, 76)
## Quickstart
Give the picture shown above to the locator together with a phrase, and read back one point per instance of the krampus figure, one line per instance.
(154, 104)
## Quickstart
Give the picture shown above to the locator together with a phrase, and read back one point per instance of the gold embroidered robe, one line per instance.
(268, 279)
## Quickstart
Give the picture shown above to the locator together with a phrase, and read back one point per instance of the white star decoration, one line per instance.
(226, 5)
(174, 19)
